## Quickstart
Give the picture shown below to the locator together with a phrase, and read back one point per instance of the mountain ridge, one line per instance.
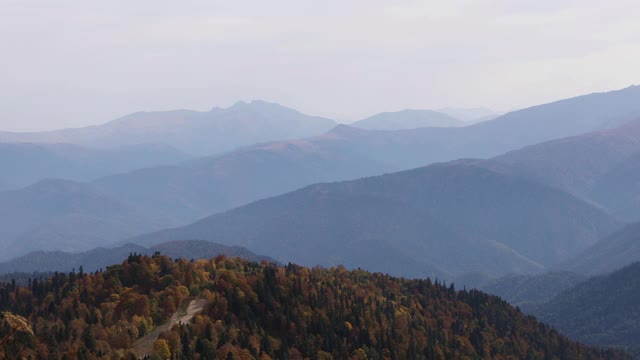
(101, 257)
(199, 132)
(345, 153)
(404, 214)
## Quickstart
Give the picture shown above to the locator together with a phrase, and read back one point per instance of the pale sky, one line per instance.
(83, 62)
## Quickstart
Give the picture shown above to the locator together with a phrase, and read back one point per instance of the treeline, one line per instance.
(263, 311)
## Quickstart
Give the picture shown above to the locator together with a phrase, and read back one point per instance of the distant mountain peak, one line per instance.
(346, 130)
(469, 115)
(259, 102)
(238, 105)
(256, 104)
(407, 119)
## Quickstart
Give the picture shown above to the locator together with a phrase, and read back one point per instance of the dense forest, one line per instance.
(264, 311)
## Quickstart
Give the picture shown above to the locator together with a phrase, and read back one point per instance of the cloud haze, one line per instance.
(73, 63)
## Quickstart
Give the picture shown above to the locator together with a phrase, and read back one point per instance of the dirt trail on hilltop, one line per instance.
(144, 346)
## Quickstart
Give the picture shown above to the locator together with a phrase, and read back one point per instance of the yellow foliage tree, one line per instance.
(161, 348)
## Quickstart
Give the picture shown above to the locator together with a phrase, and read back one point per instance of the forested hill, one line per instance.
(267, 312)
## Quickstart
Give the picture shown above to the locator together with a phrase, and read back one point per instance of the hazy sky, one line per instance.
(73, 63)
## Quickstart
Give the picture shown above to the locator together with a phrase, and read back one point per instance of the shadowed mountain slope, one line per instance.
(182, 193)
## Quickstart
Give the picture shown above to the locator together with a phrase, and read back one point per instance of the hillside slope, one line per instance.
(262, 311)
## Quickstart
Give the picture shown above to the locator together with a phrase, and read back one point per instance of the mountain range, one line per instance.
(209, 185)
(202, 133)
(178, 194)
(413, 223)
(548, 199)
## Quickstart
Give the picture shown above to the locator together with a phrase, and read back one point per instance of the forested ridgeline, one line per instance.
(263, 311)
